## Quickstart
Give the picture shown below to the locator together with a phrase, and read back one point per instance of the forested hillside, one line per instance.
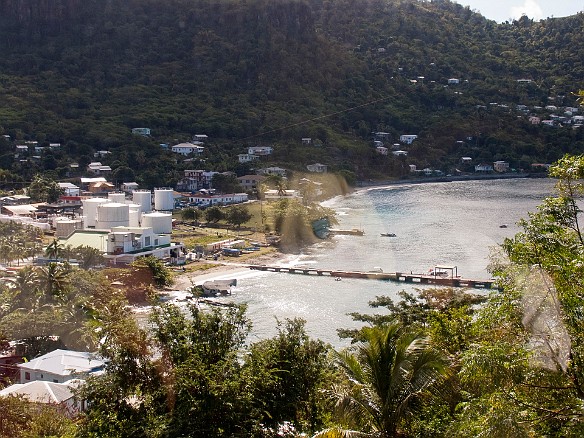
(269, 72)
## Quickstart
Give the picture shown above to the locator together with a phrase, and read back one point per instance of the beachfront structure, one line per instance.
(501, 166)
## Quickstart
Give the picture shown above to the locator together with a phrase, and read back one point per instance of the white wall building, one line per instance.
(59, 366)
(206, 200)
(407, 138)
(187, 149)
(260, 150)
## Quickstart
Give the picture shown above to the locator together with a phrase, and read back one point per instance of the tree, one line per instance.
(54, 250)
(392, 368)
(213, 214)
(291, 372)
(237, 215)
(43, 189)
(191, 214)
(225, 183)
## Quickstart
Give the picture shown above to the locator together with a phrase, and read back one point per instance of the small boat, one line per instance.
(388, 234)
(503, 226)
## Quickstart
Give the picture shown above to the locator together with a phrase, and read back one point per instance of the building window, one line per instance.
(27, 376)
(55, 381)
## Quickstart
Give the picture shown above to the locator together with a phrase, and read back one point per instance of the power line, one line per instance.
(318, 118)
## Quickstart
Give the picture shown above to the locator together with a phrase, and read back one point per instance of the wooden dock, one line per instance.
(400, 277)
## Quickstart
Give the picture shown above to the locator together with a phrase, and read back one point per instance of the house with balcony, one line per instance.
(260, 150)
(141, 131)
(278, 171)
(187, 149)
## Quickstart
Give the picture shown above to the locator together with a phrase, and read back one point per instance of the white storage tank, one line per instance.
(112, 215)
(135, 215)
(119, 197)
(144, 199)
(164, 199)
(161, 223)
(90, 210)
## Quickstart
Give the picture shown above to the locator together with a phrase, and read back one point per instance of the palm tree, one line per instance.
(54, 249)
(391, 368)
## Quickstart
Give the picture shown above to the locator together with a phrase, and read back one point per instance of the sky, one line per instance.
(503, 10)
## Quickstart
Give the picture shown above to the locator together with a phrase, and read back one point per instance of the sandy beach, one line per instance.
(223, 268)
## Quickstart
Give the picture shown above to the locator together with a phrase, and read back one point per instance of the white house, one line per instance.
(245, 158)
(97, 168)
(285, 194)
(465, 160)
(501, 166)
(260, 150)
(187, 149)
(200, 138)
(453, 81)
(129, 187)
(141, 131)
(407, 138)
(59, 366)
(69, 189)
(400, 153)
(208, 200)
(55, 394)
(382, 150)
(272, 171)
(306, 141)
(317, 167)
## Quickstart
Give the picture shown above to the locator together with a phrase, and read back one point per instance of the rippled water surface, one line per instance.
(453, 223)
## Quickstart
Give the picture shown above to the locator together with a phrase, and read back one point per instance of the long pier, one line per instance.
(401, 277)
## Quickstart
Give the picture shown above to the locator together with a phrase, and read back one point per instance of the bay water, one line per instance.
(451, 223)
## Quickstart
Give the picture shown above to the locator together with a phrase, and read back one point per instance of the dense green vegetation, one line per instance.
(271, 72)
(439, 363)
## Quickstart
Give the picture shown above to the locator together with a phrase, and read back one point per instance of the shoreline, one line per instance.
(184, 281)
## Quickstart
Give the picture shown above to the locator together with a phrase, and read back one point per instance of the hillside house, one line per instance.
(100, 187)
(260, 150)
(307, 141)
(194, 180)
(141, 131)
(381, 136)
(465, 160)
(278, 171)
(60, 395)
(60, 366)
(101, 154)
(534, 120)
(524, 81)
(69, 189)
(97, 168)
(453, 81)
(187, 149)
(382, 150)
(317, 168)
(200, 138)
(246, 158)
(400, 153)
(250, 182)
(407, 138)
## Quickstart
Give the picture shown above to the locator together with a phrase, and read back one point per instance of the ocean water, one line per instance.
(454, 223)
